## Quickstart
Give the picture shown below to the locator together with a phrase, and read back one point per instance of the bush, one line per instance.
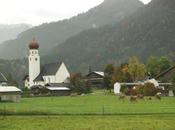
(81, 87)
(147, 89)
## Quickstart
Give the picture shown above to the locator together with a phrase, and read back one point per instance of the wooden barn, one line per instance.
(51, 89)
(10, 93)
(95, 79)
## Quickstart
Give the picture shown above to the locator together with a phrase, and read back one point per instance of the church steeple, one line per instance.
(34, 61)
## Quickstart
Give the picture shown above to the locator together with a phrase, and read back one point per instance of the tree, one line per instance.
(11, 81)
(121, 74)
(109, 71)
(155, 65)
(164, 63)
(152, 66)
(136, 69)
(78, 84)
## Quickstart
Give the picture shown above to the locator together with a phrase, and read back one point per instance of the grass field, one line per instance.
(88, 105)
(163, 122)
(90, 112)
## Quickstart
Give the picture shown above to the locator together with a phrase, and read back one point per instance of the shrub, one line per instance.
(148, 89)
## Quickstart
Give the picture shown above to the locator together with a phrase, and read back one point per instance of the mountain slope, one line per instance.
(8, 32)
(150, 31)
(50, 35)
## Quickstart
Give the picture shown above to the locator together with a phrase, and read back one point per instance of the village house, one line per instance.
(53, 73)
(95, 79)
(10, 93)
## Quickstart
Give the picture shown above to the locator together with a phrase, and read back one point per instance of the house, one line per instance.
(167, 75)
(3, 80)
(53, 73)
(10, 93)
(167, 78)
(51, 89)
(95, 79)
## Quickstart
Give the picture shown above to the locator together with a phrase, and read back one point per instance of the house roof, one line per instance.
(57, 85)
(99, 73)
(5, 89)
(48, 69)
(165, 72)
(58, 88)
(2, 78)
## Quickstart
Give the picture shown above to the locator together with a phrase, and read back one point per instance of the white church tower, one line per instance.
(34, 61)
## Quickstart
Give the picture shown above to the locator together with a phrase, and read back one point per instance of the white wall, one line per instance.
(62, 74)
(34, 65)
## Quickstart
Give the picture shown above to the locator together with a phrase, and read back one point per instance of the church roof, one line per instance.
(2, 78)
(48, 69)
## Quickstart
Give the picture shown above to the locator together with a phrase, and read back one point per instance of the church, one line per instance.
(54, 73)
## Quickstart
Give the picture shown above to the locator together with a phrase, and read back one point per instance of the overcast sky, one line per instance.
(36, 12)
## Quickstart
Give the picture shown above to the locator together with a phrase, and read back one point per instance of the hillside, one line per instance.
(51, 34)
(148, 32)
(8, 32)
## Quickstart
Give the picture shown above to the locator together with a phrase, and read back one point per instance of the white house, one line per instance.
(49, 73)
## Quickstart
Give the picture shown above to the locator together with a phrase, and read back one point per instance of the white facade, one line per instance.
(117, 88)
(34, 65)
(62, 75)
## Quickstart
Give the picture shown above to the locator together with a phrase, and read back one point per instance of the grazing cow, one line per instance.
(133, 98)
(158, 96)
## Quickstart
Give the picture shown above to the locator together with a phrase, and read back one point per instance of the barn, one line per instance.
(95, 79)
(10, 93)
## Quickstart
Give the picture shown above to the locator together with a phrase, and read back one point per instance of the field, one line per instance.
(89, 112)
(166, 122)
(88, 105)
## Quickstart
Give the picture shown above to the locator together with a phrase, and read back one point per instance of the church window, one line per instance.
(36, 59)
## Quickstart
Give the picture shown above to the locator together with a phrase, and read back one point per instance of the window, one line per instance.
(36, 59)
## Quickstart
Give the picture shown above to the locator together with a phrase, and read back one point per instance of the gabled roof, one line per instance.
(5, 89)
(101, 74)
(57, 85)
(2, 78)
(58, 88)
(48, 69)
(165, 72)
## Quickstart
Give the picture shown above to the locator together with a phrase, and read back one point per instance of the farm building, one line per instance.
(10, 93)
(51, 89)
(3, 80)
(95, 79)
(167, 75)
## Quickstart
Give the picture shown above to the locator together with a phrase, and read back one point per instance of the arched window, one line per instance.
(36, 59)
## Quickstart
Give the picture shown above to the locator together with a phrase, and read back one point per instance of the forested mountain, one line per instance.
(148, 32)
(52, 34)
(8, 32)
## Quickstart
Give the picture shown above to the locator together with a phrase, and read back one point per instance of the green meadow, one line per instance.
(98, 104)
(88, 112)
(163, 122)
